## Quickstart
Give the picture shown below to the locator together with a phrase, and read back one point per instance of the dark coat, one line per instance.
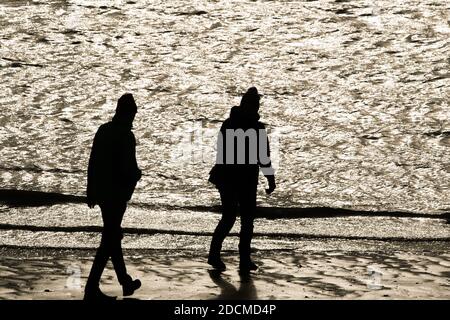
(113, 171)
(246, 174)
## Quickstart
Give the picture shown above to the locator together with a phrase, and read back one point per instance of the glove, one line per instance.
(272, 185)
(139, 175)
(91, 204)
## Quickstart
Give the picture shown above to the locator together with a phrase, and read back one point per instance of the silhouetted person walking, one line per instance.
(112, 176)
(242, 149)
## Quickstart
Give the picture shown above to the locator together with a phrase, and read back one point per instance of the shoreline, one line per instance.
(13, 198)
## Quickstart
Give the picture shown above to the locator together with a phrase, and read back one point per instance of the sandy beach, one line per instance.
(290, 275)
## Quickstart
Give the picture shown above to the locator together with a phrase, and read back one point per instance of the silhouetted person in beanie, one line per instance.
(112, 176)
(242, 150)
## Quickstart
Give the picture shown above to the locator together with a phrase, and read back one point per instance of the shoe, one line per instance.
(130, 287)
(248, 265)
(95, 294)
(217, 263)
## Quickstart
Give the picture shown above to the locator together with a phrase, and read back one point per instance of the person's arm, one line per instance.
(126, 170)
(221, 146)
(91, 183)
(129, 162)
(264, 160)
(138, 172)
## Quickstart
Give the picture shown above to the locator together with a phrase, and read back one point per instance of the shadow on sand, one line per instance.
(246, 291)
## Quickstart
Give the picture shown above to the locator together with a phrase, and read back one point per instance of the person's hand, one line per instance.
(272, 185)
(139, 175)
(91, 204)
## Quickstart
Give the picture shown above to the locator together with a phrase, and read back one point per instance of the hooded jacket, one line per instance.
(229, 169)
(113, 171)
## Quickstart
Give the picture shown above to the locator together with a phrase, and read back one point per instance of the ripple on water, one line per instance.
(354, 86)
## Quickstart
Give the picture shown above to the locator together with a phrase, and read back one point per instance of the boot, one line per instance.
(216, 262)
(247, 265)
(130, 286)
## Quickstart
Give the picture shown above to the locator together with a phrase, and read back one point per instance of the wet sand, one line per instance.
(178, 274)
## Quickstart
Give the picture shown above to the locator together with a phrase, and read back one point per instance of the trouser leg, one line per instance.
(229, 211)
(115, 241)
(119, 263)
(100, 260)
(110, 246)
(247, 201)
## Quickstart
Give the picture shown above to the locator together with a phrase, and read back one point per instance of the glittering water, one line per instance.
(355, 93)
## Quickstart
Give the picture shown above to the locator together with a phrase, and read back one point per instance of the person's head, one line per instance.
(250, 100)
(126, 108)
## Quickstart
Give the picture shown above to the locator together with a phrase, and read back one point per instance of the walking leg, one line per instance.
(229, 211)
(247, 201)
